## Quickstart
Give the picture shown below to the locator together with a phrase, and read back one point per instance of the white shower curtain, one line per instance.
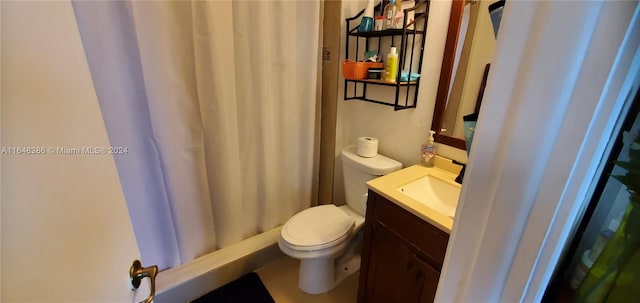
(215, 102)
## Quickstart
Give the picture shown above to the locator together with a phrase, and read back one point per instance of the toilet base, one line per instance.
(322, 270)
(321, 275)
(347, 269)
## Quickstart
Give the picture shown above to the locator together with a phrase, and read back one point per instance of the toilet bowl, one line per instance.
(326, 238)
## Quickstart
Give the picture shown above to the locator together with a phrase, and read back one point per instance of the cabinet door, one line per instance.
(396, 273)
(428, 277)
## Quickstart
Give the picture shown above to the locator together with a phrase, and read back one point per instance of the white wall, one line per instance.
(400, 133)
(66, 235)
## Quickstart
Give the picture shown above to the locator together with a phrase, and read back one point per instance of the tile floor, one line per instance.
(281, 279)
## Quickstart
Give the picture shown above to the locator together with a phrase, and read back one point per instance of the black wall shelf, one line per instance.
(410, 50)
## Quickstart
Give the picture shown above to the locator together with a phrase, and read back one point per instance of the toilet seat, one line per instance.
(317, 228)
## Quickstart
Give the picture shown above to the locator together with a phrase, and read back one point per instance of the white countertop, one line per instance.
(387, 185)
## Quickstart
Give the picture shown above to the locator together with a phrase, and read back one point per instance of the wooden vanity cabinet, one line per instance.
(402, 255)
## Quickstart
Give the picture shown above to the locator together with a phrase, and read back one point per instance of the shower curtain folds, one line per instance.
(218, 114)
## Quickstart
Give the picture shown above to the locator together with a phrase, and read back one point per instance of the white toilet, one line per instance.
(325, 238)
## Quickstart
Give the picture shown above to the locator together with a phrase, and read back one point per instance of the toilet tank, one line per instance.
(358, 170)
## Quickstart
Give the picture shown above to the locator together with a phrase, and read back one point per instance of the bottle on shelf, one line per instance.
(603, 238)
(391, 66)
(378, 23)
(591, 255)
(391, 12)
(582, 269)
(366, 24)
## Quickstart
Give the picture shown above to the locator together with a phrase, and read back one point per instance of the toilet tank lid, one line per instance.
(377, 166)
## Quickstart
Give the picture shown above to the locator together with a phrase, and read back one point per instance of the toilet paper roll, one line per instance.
(367, 147)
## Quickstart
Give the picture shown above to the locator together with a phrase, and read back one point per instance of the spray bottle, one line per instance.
(428, 151)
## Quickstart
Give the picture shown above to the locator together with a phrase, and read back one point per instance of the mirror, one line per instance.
(469, 48)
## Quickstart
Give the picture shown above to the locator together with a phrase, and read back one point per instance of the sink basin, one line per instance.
(435, 192)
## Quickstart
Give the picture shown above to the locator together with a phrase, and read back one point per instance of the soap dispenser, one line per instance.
(429, 151)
